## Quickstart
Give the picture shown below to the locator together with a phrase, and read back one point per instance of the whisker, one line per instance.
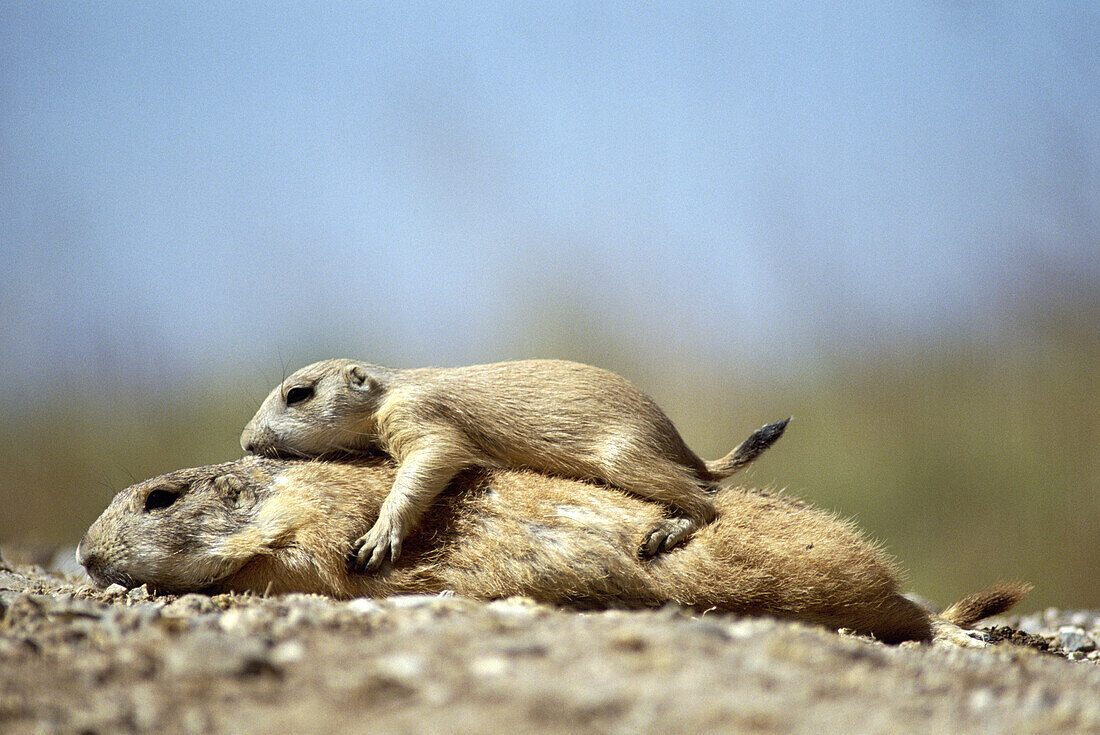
(106, 485)
(133, 480)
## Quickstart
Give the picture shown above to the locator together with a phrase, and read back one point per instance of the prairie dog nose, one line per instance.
(89, 559)
(257, 442)
(248, 442)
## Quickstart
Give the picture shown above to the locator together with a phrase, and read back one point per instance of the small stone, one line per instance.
(364, 606)
(115, 590)
(514, 607)
(139, 593)
(670, 611)
(286, 653)
(412, 601)
(402, 665)
(981, 699)
(744, 628)
(1075, 640)
(1052, 617)
(1079, 618)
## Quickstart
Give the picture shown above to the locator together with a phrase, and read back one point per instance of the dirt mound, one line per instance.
(80, 659)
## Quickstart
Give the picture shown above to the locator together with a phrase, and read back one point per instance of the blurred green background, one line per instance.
(971, 460)
(882, 221)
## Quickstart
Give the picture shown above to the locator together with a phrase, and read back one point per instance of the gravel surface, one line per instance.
(78, 659)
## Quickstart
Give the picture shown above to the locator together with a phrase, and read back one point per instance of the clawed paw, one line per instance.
(378, 547)
(669, 533)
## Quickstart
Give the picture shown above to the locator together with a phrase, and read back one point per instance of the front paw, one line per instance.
(377, 546)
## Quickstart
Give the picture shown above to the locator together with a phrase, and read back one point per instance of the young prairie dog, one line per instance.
(278, 526)
(552, 416)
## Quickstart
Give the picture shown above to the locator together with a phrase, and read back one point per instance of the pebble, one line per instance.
(403, 665)
(1075, 640)
(364, 606)
(1081, 619)
(286, 653)
(981, 698)
(523, 607)
(130, 648)
(139, 593)
(411, 601)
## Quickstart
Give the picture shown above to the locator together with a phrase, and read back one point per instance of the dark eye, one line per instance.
(159, 499)
(298, 393)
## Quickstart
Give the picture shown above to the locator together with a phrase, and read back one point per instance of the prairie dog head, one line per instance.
(184, 530)
(324, 408)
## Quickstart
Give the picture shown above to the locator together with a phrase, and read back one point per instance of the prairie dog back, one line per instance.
(553, 416)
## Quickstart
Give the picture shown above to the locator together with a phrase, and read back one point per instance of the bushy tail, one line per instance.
(747, 451)
(990, 601)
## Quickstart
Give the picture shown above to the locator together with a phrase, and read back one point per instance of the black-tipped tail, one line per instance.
(748, 450)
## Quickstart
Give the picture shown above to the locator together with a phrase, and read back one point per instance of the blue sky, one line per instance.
(187, 188)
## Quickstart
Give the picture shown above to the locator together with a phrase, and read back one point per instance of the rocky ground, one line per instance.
(77, 659)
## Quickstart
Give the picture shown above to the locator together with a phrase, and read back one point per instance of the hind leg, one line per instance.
(692, 508)
(667, 535)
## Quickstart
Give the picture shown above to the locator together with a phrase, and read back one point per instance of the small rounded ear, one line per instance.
(232, 488)
(358, 377)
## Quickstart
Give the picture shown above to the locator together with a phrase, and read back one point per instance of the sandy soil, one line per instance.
(77, 659)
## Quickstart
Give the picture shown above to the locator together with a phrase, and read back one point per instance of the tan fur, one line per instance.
(553, 416)
(495, 534)
(991, 601)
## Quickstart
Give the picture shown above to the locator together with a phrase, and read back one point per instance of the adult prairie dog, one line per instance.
(553, 416)
(277, 526)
